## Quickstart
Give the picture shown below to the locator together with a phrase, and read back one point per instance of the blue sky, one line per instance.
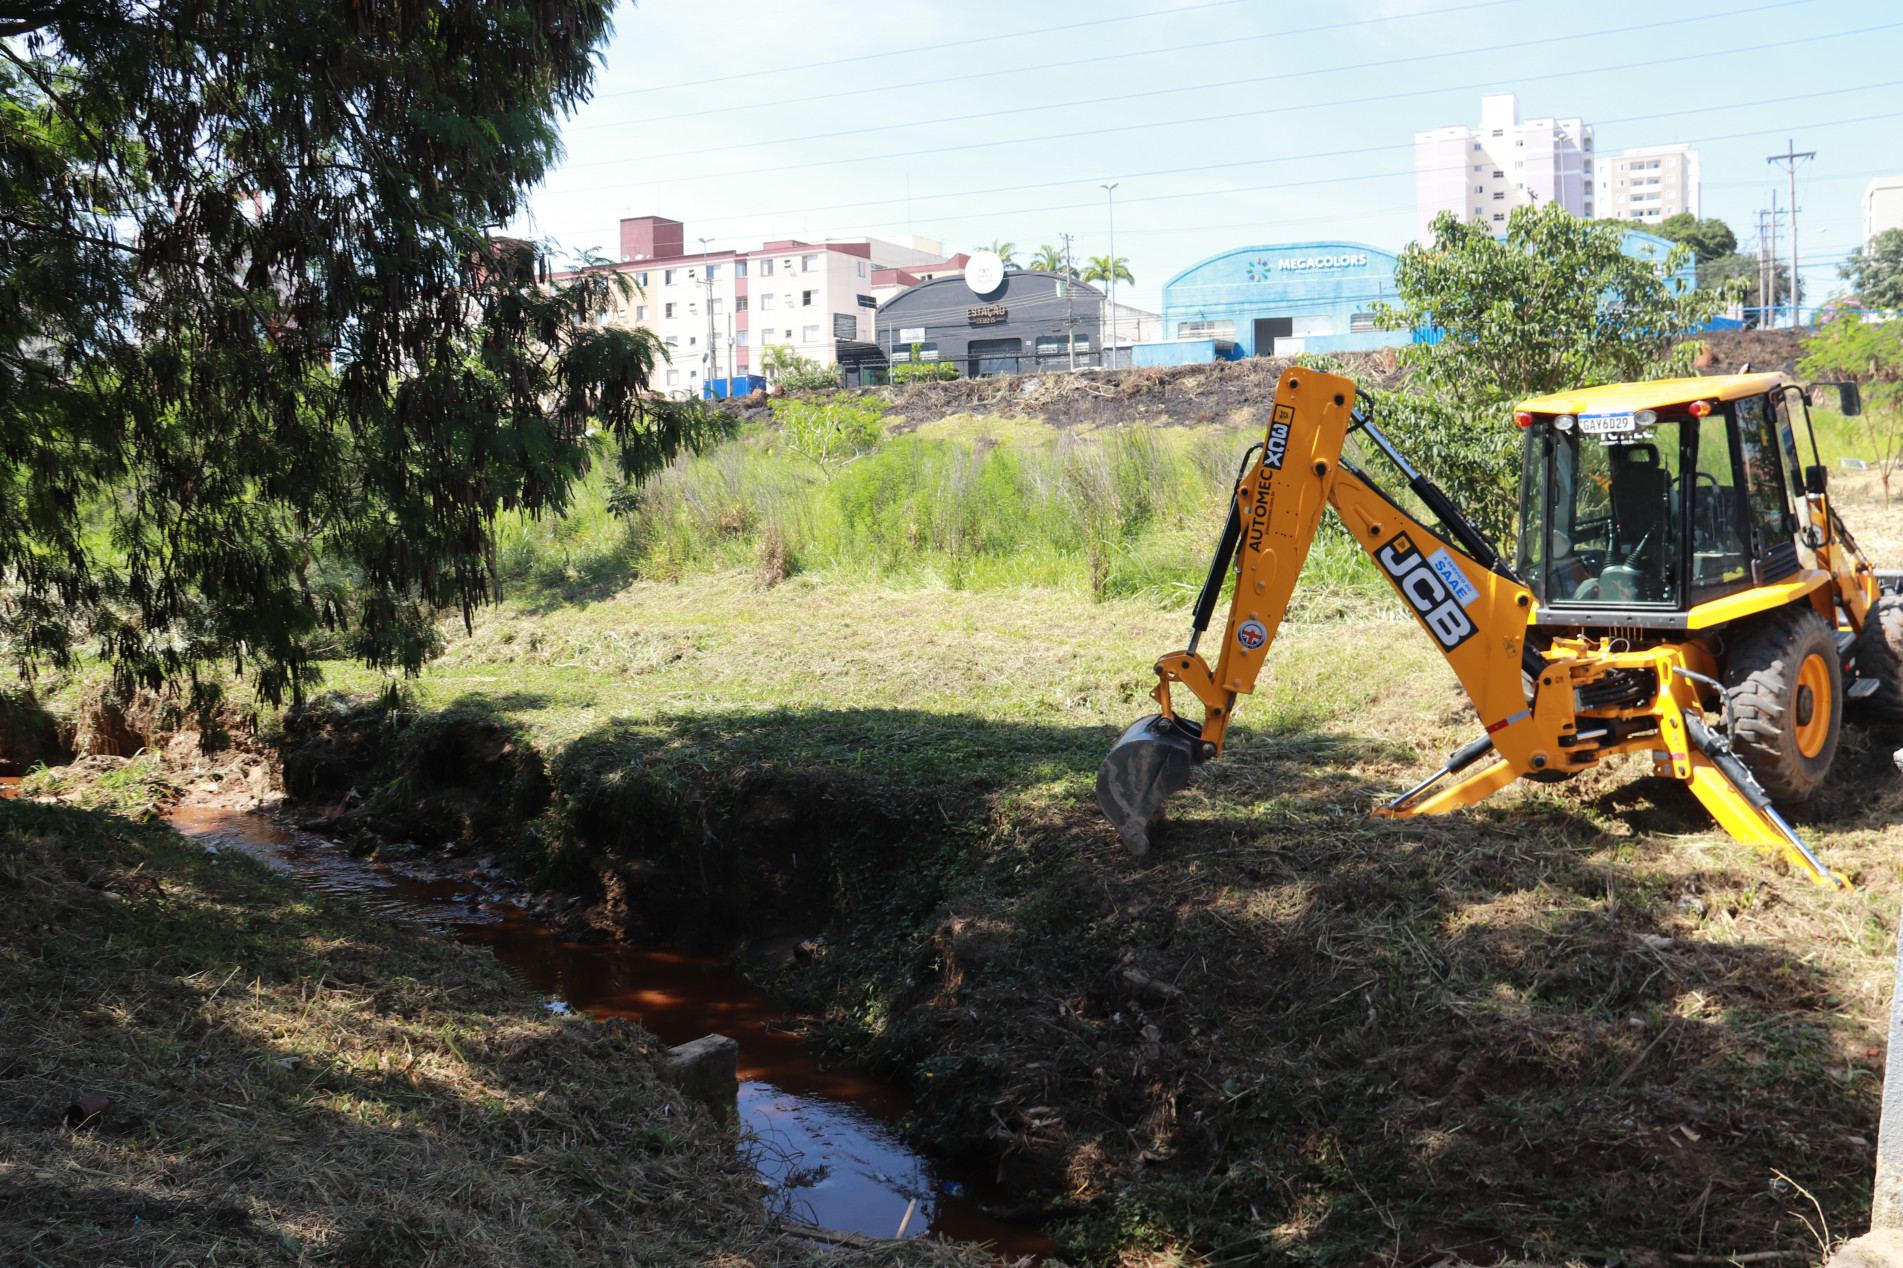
(1225, 123)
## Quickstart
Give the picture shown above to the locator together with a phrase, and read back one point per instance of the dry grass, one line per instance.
(294, 1083)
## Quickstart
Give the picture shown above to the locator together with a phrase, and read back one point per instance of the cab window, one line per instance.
(1721, 556)
(1757, 456)
(1613, 531)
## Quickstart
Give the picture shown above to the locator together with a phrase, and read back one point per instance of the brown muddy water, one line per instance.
(824, 1138)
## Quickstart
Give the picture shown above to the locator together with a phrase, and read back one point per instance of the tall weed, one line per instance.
(1129, 514)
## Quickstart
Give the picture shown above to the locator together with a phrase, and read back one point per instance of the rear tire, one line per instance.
(1786, 688)
(1878, 653)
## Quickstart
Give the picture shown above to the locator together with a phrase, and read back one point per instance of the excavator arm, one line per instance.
(1462, 594)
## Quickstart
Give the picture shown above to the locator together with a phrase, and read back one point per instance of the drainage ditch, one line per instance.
(824, 1138)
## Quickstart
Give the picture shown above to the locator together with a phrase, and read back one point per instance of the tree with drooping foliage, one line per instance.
(267, 374)
(1104, 269)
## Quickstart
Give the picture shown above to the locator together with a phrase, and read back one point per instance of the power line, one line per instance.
(941, 45)
(1246, 163)
(1335, 217)
(1200, 46)
(1257, 79)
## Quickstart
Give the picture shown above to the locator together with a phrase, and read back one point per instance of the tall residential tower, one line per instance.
(1483, 173)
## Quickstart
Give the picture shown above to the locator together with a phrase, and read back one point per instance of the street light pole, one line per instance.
(1070, 305)
(1110, 198)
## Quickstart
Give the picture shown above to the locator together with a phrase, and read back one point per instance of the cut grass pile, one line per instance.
(293, 1082)
(1574, 1021)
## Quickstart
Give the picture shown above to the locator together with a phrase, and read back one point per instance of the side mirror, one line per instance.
(1815, 479)
(1849, 397)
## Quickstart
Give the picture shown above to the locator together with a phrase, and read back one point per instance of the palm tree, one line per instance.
(1103, 269)
(1050, 259)
(1006, 251)
(776, 359)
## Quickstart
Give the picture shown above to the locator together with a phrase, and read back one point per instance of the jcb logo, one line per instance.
(1445, 619)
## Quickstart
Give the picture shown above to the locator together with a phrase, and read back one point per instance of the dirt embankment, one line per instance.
(1538, 1032)
(1183, 395)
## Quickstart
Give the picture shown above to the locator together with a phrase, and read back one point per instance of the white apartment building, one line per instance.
(1882, 206)
(717, 311)
(1482, 174)
(1650, 184)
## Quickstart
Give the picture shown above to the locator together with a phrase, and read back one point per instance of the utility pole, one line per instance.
(1770, 244)
(1110, 195)
(1790, 158)
(712, 360)
(1764, 275)
(1070, 304)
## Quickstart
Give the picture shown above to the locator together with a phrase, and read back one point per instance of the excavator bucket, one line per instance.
(1149, 762)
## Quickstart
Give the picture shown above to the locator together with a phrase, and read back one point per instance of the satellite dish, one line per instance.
(984, 272)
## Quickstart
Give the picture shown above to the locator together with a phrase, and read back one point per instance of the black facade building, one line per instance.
(1026, 325)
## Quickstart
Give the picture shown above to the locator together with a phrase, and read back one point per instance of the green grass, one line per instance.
(970, 504)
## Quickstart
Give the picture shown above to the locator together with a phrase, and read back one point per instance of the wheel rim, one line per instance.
(1811, 711)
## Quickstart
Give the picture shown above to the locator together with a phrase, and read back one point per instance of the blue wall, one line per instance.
(1649, 246)
(1319, 286)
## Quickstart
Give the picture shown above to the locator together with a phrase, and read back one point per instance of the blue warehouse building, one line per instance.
(1299, 297)
(1282, 300)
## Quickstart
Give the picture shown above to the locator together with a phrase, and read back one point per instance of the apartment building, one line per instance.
(1882, 206)
(1482, 173)
(717, 311)
(1650, 184)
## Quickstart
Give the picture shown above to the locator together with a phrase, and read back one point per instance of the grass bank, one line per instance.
(1575, 1021)
(293, 1082)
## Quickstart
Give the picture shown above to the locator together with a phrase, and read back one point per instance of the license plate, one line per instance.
(1606, 424)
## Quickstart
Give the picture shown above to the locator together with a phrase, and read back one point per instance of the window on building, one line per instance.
(806, 299)
(1499, 175)
(1477, 167)
(740, 304)
(809, 334)
(640, 312)
(1480, 189)
(1205, 330)
(845, 325)
(1498, 216)
(667, 276)
(1476, 145)
(739, 268)
(1363, 323)
(740, 338)
(862, 268)
(713, 272)
(667, 310)
(641, 280)
(1054, 346)
(926, 352)
(715, 309)
(673, 378)
(693, 341)
(692, 275)
(672, 341)
(766, 268)
(1520, 144)
(789, 334)
(766, 301)
(1496, 132)
(808, 263)
(1499, 195)
(693, 309)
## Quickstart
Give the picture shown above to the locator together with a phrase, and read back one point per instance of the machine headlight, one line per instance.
(1564, 422)
(1646, 417)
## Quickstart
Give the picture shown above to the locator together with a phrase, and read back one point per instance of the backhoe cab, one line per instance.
(1682, 587)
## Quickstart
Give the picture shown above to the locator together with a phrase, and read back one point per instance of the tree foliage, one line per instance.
(263, 369)
(1103, 269)
(1050, 259)
(1876, 268)
(1709, 239)
(1557, 303)
(1007, 252)
(1870, 353)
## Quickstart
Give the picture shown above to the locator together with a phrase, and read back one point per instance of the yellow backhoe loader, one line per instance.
(1682, 588)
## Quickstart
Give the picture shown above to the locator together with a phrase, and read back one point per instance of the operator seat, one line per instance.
(1641, 496)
